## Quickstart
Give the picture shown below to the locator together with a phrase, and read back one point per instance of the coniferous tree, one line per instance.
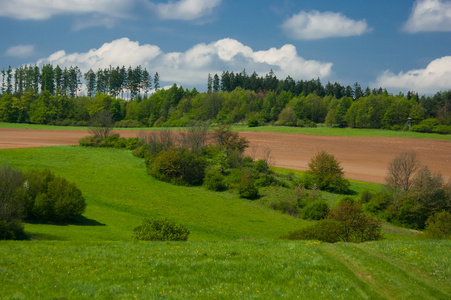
(146, 82)
(216, 83)
(209, 83)
(48, 79)
(156, 81)
(90, 78)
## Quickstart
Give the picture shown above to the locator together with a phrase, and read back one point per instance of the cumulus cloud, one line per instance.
(319, 25)
(435, 77)
(45, 9)
(429, 15)
(21, 51)
(192, 66)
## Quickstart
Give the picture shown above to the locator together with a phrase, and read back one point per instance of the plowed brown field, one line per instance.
(363, 158)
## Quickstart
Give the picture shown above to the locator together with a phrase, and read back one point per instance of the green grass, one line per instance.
(351, 132)
(225, 270)
(232, 253)
(119, 194)
(324, 131)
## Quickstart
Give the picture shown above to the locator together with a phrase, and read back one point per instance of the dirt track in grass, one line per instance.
(363, 158)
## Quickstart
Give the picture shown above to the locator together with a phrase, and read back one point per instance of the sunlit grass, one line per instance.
(225, 270)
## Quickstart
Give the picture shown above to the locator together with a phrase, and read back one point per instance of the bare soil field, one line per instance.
(363, 158)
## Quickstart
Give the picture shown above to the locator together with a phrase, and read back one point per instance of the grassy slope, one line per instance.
(120, 194)
(213, 264)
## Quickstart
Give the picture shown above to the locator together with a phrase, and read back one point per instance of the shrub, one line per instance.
(246, 186)
(51, 198)
(315, 210)
(160, 230)
(128, 124)
(327, 173)
(214, 181)
(438, 226)
(355, 225)
(366, 196)
(90, 141)
(426, 125)
(11, 230)
(326, 230)
(178, 166)
(252, 122)
(442, 129)
(261, 166)
(12, 195)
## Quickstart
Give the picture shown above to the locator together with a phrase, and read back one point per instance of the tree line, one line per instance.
(114, 81)
(277, 102)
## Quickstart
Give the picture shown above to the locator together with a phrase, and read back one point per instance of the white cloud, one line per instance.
(319, 25)
(192, 66)
(21, 51)
(45, 9)
(435, 77)
(429, 15)
(186, 9)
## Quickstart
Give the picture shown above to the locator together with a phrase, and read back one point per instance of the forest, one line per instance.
(56, 96)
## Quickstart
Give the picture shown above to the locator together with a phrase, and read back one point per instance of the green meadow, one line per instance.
(233, 251)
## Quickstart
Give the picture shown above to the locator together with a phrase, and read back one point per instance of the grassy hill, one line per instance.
(119, 194)
(232, 252)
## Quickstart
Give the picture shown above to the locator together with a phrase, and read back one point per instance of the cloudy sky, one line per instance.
(400, 45)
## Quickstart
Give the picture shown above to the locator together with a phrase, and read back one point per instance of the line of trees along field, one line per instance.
(50, 95)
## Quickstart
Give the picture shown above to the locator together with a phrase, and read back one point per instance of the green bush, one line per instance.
(12, 197)
(178, 166)
(261, 166)
(438, 226)
(356, 226)
(246, 186)
(90, 141)
(442, 129)
(160, 230)
(326, 230)
(327, 173)
(12, 230)
(51, 198)
(128, 124)
(315, 210)
(252, 122)
(214, 181)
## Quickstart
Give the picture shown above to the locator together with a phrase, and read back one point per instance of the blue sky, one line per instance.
(400, 45)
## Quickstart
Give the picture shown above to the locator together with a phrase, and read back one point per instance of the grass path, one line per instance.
(391, 280)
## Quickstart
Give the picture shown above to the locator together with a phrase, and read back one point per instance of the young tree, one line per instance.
(401, 170)
(101, 124)
(229, 140)
(327, 173)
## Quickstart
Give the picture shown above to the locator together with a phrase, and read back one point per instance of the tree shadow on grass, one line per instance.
(78, 221)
